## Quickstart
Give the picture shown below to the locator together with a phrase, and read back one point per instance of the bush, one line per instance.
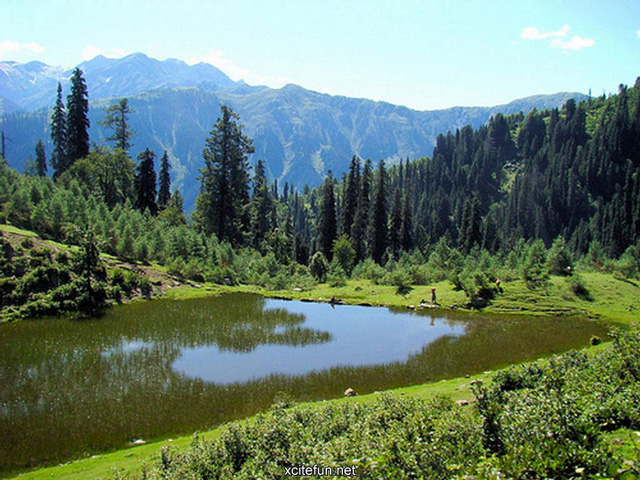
(533, 271)
(578, 287)
(221, 276)
(344, 254)
(319, 267)
(369, 270)
(27, 242)
(559, 261)
(400, 279)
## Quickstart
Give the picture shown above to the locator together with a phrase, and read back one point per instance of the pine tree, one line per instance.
(406, 235)
(41, 160)
(327, 226)
(261, 206)
(58, 136)
(378, 232)
(117, 119)
(77, 119)
(470, 229)
(395, 223)
(164, 180)
(361, 219)
(173, 214)
(3, 147)
(224, 190)
(145, 183)
(350, 200)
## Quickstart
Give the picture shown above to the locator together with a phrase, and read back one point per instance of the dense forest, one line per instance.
(532, 193)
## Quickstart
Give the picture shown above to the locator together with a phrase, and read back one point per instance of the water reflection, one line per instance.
(162, 368)
(366, 336)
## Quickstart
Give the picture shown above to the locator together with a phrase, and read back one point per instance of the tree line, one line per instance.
(568, 178)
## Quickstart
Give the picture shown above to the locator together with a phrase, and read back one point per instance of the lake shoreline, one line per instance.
(615, 300)
(133, 458)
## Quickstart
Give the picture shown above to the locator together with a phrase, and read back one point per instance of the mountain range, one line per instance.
(299, 133)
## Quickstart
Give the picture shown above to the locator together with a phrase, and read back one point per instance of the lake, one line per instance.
(147, 370)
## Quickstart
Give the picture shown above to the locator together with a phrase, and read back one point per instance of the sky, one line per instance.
(422, 54)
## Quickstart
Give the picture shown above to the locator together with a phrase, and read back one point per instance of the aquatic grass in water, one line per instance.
(161, 368)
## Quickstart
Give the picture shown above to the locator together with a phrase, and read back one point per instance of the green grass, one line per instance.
(17, 231)
(611, 296)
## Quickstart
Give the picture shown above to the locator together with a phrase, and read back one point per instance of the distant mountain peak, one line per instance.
(32, 86)
(298, 132)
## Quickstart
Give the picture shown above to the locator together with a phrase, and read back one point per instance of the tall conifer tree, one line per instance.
(58, 136)
(261, 206)
(224, 190)
(41, 160)
(77, 119)
(117, 119)
(145, 183)
(350, 200)
(164, 190)
(406, 230)
(470, 229)
(395, 223)
(378, 231)
(327, 226)
(361, 220)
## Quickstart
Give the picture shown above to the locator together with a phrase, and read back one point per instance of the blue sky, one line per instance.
(422, 54)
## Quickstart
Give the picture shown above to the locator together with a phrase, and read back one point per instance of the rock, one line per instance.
(479, 381)
(462, 403)
(411, 307)
(350, 392)
(467, 376)
(297, 289)
(365, 304)
(139, 441)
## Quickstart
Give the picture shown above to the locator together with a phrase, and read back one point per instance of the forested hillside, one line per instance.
(572, 173)
(488, 204)
(298, 133)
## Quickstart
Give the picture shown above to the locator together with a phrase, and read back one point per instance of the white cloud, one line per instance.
(559, 38)
(532, 33)
(91, 51)
(218, 59)
(9, 46)
(575, 43)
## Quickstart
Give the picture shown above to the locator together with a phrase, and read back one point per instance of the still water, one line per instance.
(153, 369)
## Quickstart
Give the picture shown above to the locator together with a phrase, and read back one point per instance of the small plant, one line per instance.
(27, 242)
(319, 267)
(578, 287)
(402, 281)
(282, 400)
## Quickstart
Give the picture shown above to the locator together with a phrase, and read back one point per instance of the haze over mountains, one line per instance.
(299, 133)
